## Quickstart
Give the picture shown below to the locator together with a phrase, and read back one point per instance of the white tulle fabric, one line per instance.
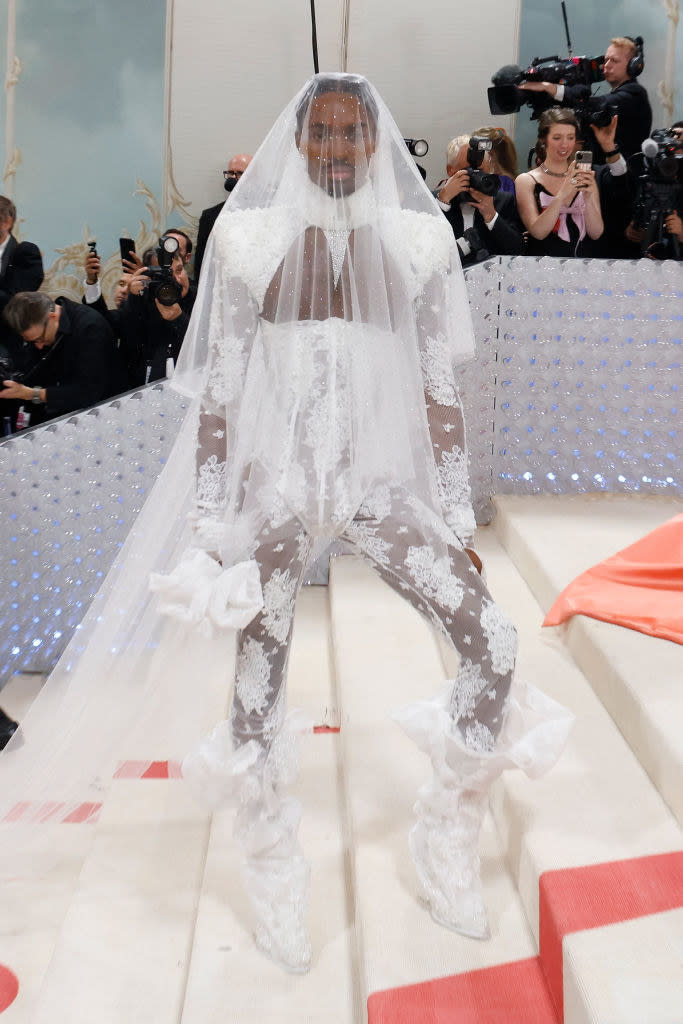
(319, 363)
(201, 593)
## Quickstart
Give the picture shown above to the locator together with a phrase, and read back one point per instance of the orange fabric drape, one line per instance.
(640, 587)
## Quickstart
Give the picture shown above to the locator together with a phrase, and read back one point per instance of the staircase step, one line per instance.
(552, 539)
(628, 973)
(386, 656)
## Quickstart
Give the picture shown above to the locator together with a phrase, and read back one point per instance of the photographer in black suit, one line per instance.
(483, 225)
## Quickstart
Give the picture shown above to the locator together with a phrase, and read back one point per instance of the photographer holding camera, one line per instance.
(623, 62)
(69, 357)
(157, 312)
(483, 217)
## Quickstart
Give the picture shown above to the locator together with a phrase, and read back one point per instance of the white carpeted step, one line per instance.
(637, 677)
(597, 803)
(387, 656)
(627, 973)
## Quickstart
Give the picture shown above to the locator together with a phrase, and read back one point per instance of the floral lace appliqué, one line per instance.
(501, 637)
(434, 577)
(278, 599)
(435, 362)
(253, 677)
(211, 482)
(468, 688)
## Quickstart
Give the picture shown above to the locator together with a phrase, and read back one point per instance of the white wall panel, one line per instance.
(432, 62)
(233, 68)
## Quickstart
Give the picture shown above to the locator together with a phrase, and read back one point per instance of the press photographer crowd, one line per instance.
(600, 183)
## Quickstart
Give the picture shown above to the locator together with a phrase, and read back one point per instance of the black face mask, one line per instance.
(229, 183)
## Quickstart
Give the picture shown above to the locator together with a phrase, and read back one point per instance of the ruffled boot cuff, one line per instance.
(276, 874)
(444, 841)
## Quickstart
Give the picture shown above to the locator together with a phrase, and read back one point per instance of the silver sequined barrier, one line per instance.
(575, 388)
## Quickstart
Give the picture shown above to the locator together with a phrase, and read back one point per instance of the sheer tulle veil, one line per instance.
(134, 686)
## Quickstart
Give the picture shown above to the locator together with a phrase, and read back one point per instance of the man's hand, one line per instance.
(548, 87)
(132, 262)
(606, 135)
(169, 312)
(457, 183)
(13, 389)
(674, 225)
(138, 282)
(634, 234)
(484, 204)
(92, 268)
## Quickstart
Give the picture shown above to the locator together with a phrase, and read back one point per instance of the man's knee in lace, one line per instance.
(259, 697)
(442, 584)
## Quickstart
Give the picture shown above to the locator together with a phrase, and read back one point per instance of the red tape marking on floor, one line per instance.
(32, 812)
(148, 770)
(508, 992)
(571, 900)
(577, 899)
(326, 728)
(9, 987)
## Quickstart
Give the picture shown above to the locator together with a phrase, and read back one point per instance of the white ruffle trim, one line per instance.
(220, 776)
(533, 736)
(203, 594)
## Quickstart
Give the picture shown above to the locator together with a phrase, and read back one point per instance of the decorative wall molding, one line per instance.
(667, 86)
(14, 70)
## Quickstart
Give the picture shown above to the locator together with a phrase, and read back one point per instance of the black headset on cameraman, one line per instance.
(637, 62)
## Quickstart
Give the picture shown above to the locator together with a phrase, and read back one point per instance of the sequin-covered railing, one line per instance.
(575, 388)
(71, 491)
(582, 363)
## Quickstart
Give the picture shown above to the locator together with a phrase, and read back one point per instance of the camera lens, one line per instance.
(168, 293)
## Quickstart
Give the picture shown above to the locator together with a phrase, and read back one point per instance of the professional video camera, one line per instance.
(505, 96)
(163, 286)
(660, 192)
(480, 180)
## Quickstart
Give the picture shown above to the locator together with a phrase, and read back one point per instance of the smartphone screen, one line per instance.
(127, 246)
(584, 160)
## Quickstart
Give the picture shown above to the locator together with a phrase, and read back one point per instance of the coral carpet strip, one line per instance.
(577, 899)
(508, 992)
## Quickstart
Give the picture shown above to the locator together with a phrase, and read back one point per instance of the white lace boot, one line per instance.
(444, 844)
(276, 876)
(275, 872)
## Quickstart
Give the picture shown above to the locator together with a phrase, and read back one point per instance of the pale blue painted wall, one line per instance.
(89, 116)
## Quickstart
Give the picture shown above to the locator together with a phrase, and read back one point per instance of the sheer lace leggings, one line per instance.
(412, 557)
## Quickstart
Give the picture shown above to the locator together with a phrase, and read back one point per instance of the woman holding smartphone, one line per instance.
(558, 200)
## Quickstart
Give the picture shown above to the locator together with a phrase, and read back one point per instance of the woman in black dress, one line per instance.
(558, 202)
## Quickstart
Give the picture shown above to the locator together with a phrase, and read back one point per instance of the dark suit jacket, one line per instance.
(635, 117)
(206, 223)
(505, 237)
(21, 269)
(81, 368)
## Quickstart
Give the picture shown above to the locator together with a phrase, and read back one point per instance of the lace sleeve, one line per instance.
(231, 332)
(444, 411)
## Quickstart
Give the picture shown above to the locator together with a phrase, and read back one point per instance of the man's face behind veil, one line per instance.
(337, 141)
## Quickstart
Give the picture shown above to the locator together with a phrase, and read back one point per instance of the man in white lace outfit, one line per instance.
(333, 310)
